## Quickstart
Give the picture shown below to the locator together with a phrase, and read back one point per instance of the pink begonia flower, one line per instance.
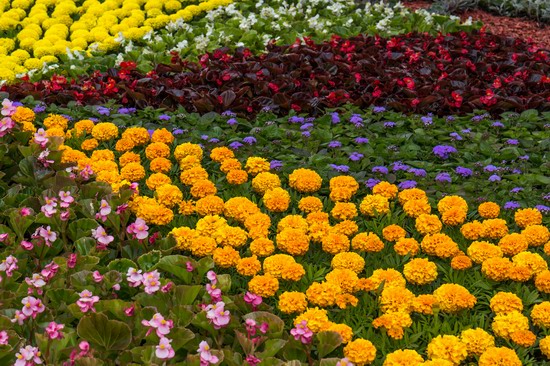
(49, 207)
(86, 172)
(264, 327)
(116, 287)
(217, 314)
(4, 338)
(65, 215)
(32, 306)
(4, 237)
(9, 265)
(138, 229)
(253, 299)
(40, 138)
(71, 261)
(168, 287)
(252, 360)
(28, 356)
(27, 245)
(49, 271)
(189, 266)
(161, 325)
(104, 211)
(8, 107)
(212, 277)
(53, 330)
(121, 209)
(102, 237)
(344, 362)
(84, 348)
(130, 311)
(47, 234)
(97, 277)
(205, 354)
(302, 333)
(6, 125)
(250, 325)
(37, 280)
(25, 211)
(151, 281)
(134, 277)
(164, 349)
(19, 317)
(134, 187)
(87, 301)
(214, 292)
(66, 198)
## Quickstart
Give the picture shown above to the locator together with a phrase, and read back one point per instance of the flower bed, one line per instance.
(457, 73)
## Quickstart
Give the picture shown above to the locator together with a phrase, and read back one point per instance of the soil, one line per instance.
(502, 25)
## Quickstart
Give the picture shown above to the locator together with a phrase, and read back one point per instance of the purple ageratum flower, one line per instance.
(466, 131)
(511, 205)
(450, 118)
(427, 120)
(464, 172)
(378, 109)
(512, 142)
(497, 124)
(126, 110)
(380, 169)
(546, 197)
(306, 134)
(39, 108)
(17, 104)
(356, 120)
(398, 166)
(543, 209)
(228, 114)
(372, 182)
(455, 136)
(296, 119)
(235, 145)
(491, 168)
(275, 164)
(177, 131)
(361, 140)
(69, 118)
(355, 156)
(407, 184)
(151, 132)
(444, 151)
(524, 157)
(516, 190)
(249, 140)
(389, 124)
(103, 111)
(494, 178)
(214, 140)
(93, 119)
(334, 144)
(204, 137)
(335, 117)
(306, 126)
(443, 177)
(516, 171)
(340, 168)
(232, 122)
(417, 172)
(164, 117)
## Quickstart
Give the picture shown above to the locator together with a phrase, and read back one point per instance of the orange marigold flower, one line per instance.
(528, 216)
(488, 210)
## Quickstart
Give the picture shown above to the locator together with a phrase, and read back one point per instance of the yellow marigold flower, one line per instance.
(168, 195)
(373, 205)
(134, 172)
(496, 268)
(162, 135)
(124, 145)
(344, 330)
(527, 216)
(310, 204)
(344, 211)
(209, 205)
(519, 273)
(138, 135)
(533, 261)
(449, 202)
(231, 235)
(276, 264)
(230, 164)
(411, 194)
(105, 131)
(488, 210)
(505, 302)
(540, 315)
(226, 257)
(28, 127)
(265, 181)
(57, 121)
(343, 300)
(255, 165)
(262, 247)
(345, 278)
(157, 150)
(420, 271)
(367, 242)
(461, 263)
(219, 154)
(394, 322)
(317, 217)
(89, 144)
(396, 299)
(536, 235)
(128, 157)
(407, 357)
(454, 216)
(544, 346)
(239, 208)
(477, 341)
(293, 222)
(499, 356)
(202, 246)
(190, 176)
(156, 180)
(189, 162)
(160, 165)
(84, 126)
(323, 294)
(293, 241)
(505, 324)
(203, 188)
(346, 227)
(258, 225)
(305, 180)
(55, 132)
(407, 246)
(424, 304)
(335, 243)
(513, 244)
(360, 352)
(249, 266)
(344, 181)
(479, 251)
(187, 149)
(72, 156)
(292, 302)
(428, 224)
(349, 260)
(472, 230)
(209, 225)
(276, 200)
(390, 277)
(447, 347)
(494, 228)
(293, 272)
(103, 155)
(439, 245)
(523, 338)
(264, 285)
(385, 189)
(542, 281)
(237, 177)
(184, 237)
(393, 233)
(341, 194)
(317, 319)
(23, 114)
(187, 208)
(104, 165)
(453, 298)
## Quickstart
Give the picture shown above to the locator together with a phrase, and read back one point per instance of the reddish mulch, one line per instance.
(516, 27)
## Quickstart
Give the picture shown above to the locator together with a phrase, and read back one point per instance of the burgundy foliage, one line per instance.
(448, 74)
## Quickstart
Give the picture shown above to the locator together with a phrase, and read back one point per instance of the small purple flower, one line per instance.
(427, 120)
(407, 184)
(466, 131)
(494, 178)
(275, 164)
(228, 114)
(455, 136)
(164, 117)
(204, 137)
(498, 124)
(450, 118)
(306, 126)
(356, 120)
(296, 119)
(378, 109)
(511, 205)
(543, 209)
(546, 197)
(334, 144)
(380, 169)
(232, 122)
(177, 131)
(93, 119)
(103, 111)
(126, 110)
(151, 132)
(361, 140)
(389, 124)
(306, 134)
(417, 172)
(372, 182)
(399, 166)
(444, 151)
(491, 168)
(443, 177)
(524, 157)
(335, 117)
(249, 140)
(235, 145)
(478, 118)
(340, 168)
(69, 118)
(516, 190)
(512, 142)
(39, 108)
(464, 172)
(355, 156)
(516, 171)
(214, 140)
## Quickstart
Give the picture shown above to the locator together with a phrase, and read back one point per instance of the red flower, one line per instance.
(409, 83)
(457, 100)
(489, 98)
(273, 87)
